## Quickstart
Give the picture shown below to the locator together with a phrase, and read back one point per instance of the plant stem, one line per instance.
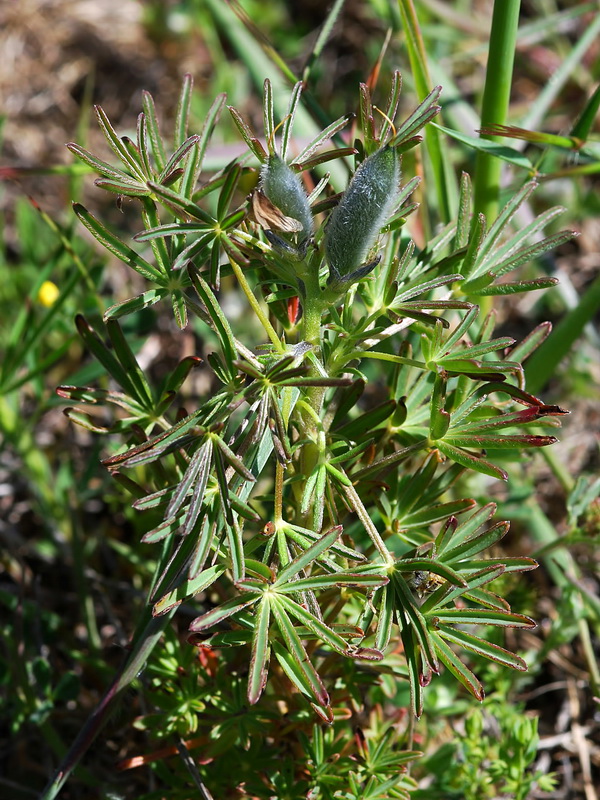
(363, 515)
(494, 107)
(269, 329)
(278, 505)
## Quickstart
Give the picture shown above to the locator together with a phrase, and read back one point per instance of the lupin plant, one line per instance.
(325, 535)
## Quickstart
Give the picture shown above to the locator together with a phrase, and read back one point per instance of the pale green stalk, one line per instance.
(496, 97)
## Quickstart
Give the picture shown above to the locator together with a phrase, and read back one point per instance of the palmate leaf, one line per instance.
(412, 497)
(274, 595)
(487, 260)
(446, 574)
(120, 363)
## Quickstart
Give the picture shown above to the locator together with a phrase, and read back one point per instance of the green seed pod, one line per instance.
(284, 189)
(364, 209)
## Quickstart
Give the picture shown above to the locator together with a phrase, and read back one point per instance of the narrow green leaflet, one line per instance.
(187, 589)
(116, 246)
(218, 319)
(500, 151)
(261, 651)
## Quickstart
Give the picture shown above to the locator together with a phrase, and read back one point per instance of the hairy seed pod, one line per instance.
(365, 207)
(282, 186)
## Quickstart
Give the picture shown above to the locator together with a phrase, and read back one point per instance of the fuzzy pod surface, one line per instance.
(284, 189)
(365, 207)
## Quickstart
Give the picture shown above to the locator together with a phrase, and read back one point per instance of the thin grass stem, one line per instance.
(494, 107)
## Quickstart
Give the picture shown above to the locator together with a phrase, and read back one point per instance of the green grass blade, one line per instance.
(542, 365)
(446, 191)
(496, 96)
(561, 75)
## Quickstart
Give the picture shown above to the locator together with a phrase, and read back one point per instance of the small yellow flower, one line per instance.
(48, 294)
